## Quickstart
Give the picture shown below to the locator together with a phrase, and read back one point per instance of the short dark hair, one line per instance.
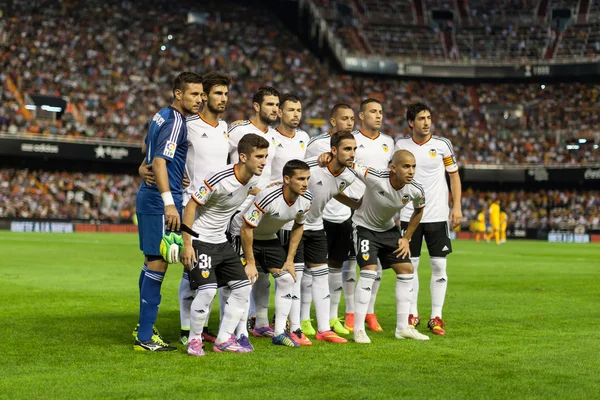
(339, 106)
(263, 91)
(252, 141)
(370, 100)
(184, 79)
(290, 167)
(288, 97)
(414, 109)
(337, 138)
(212, 79)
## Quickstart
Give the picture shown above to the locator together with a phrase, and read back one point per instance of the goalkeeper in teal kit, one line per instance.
(159, 206)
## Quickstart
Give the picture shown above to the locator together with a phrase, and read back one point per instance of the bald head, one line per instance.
(403, 157)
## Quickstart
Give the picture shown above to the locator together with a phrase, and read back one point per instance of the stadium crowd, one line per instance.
(67, 195)
(115, 78)
(545, 209)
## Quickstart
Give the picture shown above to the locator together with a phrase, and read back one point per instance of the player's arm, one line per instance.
(347, 201)
(145, 171)
(159, 166)
(247, 236)
(189, 213)
(456, 189)
(403, 250)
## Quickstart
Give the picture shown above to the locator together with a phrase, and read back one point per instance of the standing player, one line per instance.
(266, 106)
(503, 225)
(160, 204)
(480, 226)
(338, 227)
(257, 229)
(434, 156)
(208, 151)
(212, 261)
(326, 183)
(377, 238)
(495, 220)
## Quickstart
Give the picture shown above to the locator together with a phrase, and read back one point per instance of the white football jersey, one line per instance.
(334, 211)
(237, 132)
(434, 157)
(219, 197)
(376, 153)
(270, 212)
(208, 148)
(382, 200)
(323, 185)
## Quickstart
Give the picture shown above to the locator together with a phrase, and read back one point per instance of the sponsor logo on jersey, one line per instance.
(204, 135)
(432, 153)
(405, 199)
(170, 148)
(320, 183)
(385, 147)
(280, 146)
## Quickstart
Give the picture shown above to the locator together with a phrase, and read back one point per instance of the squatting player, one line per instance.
(435, 157)
(160, 205)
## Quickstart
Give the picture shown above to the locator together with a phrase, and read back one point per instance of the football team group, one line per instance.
(259, 199)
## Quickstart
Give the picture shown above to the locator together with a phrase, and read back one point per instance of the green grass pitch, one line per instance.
(521, 321)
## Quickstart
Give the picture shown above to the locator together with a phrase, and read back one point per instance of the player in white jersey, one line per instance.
(338, 227)
(326, 183)
(266, 106)
(377, 238)
(435, 157)
(212, 260)
(208, 149)
(255, 231)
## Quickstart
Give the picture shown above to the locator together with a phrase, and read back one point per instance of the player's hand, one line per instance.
(324, 159)
(455, 217)
(147, 175)
(403, 250)
(188, 258)
(172, 218)
(251, 272)
(186, 181)
(290, 268)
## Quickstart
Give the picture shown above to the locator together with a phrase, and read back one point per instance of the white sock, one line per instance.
(438, 285)
(404, 283)
(414, 309)
(283, 300)
(234, 308)
(252, 306)
(296, 296)
(376, 284)
(306, 294)
(242, 327)
(200, 309)
(186, 296)
(349, 279)
(224, 293)
(335, 290)
(362, 296)
(320, 294)
(261, 292)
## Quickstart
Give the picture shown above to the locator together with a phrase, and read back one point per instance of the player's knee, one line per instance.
(285, 281)
(241, 294)
(206, 293)
(438, 266)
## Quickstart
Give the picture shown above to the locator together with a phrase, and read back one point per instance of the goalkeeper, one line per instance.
(159, 206)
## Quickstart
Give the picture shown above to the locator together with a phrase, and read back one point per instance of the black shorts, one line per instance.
(437, 237)
(269, 254)
(372, 245)
(284, 239)
(340, 244)
(216, 263)
(315, 247)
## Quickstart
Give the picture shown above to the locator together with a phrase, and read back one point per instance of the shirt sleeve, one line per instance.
(203, 194)
(254, 214)
(419, 199)
(450, 160)
(169, 136)
(363, 171)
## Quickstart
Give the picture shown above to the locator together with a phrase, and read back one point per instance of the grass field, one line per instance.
(521, 321)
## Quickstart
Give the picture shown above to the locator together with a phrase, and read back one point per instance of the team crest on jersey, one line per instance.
(405, 199)
(225, 135)
(342, 186)
(365, 256)
(385, 147)
(432, 153)
(170, 148)
(302, 146)
(243, 260)
(205, 273)
(299, 213)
